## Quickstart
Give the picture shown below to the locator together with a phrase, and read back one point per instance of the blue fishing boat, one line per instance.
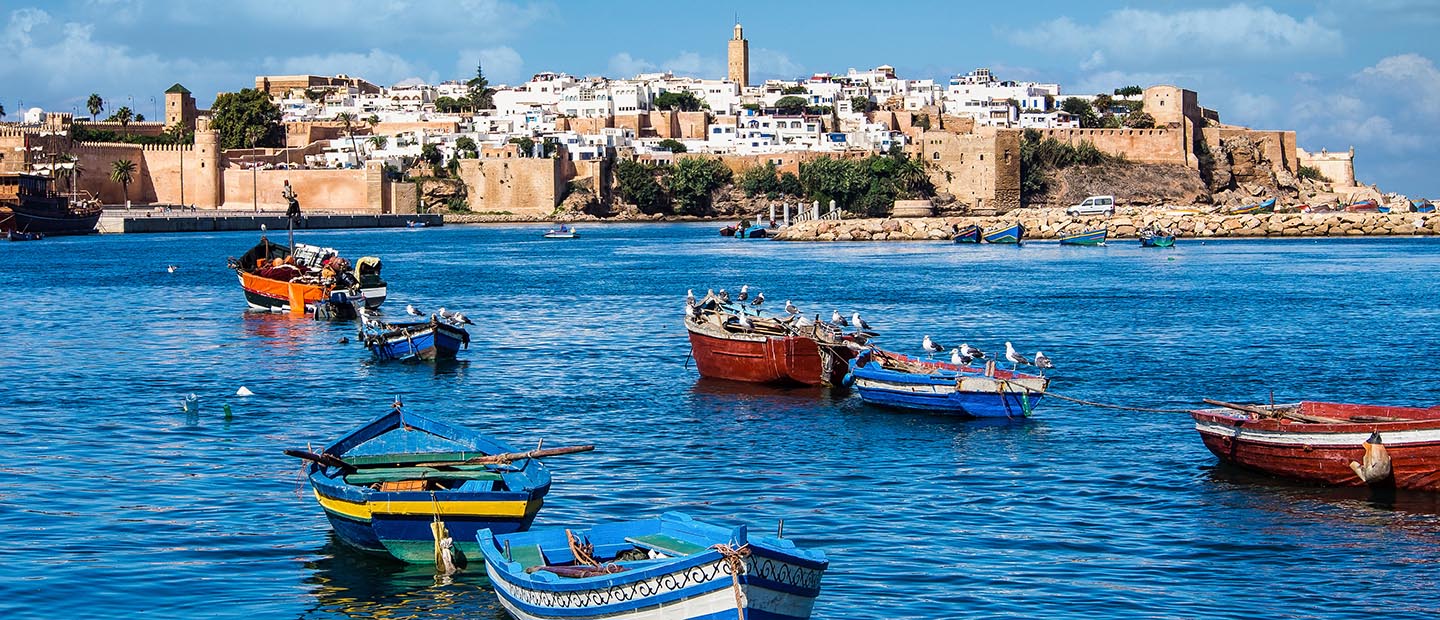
(1011, 235)
(753, 232)
(432, 339)
(897, 381)
(1157, 240)
(562, 232)
(1422, 206)
(1089, 237)
(1267, 206)
(386, 485)
(969, 234)
(671, 568)
(415, 224)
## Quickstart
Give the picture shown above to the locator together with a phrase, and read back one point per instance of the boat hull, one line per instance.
(1322, 453)
(276, 295)
(970, 234)
(424, 342)
(53, 217)
(1011, 236)
(1157, 242)
(761, 359)
(945, 388)
(1092, 237)
(398, 524)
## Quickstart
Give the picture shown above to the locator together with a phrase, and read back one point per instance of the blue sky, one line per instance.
(1339, 73)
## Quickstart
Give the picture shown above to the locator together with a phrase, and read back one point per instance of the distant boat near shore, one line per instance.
(1267, 206)
(969, 234)
(1012, 235)
(1089, 237)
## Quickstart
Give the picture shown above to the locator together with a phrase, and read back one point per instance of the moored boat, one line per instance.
(415, 224)
(1089, 237)
(31, 205)
(432, 339)
(969, 234)
(1422, 206)
(1012, 235)
(16, 235)
(383, 485)
(1156, 238)
(893, 380)
(1267, 206)
(1338, 444)
(562, 231)
(673, 567)
(277, 279)
(1363, 206)
(752, 232)
(770, 350)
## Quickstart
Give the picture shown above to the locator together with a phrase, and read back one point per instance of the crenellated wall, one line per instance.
(1146, 146)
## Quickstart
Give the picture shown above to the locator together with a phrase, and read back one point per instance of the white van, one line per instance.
(1094, 205)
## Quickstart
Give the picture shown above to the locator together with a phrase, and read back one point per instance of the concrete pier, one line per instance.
(121, 221)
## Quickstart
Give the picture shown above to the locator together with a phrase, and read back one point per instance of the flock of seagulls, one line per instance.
(454, 318)
(964, 354)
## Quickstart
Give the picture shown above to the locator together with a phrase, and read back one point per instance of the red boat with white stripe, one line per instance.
(1336, 444)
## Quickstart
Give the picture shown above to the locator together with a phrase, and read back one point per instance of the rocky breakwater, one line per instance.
(1054, 224)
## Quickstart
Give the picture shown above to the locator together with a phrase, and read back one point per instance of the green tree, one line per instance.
(95, 104)
(123, 116)
(2, 111)
(794, 90)
(178, 133)
(861, 104)
(526, 144)
(1110, 121)
(1139, 120)
(672, 145)
(790, 184)
(481, 96)
(683, 101)
(759, 180)
(431, 154)
(246, 118)
(1080, 109)
(139, 118)
(1128, 91)
(842, 180)
(790, 105)
(447, 105)
(348, 121)
(693, 181)
(122, 171)
(1103, 104)
(466, 147)
(1312, 173)
(378, 142)
(636, 183)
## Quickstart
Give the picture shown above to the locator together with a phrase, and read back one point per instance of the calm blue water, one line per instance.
(116, 503)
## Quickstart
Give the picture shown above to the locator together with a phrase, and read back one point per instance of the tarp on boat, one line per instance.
(367, 266)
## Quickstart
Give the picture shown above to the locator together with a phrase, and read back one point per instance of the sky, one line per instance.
(1340, 73)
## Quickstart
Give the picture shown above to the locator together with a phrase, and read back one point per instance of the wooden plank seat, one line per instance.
(393, 474)
(410, 459)
(667, 545)
(528, 556)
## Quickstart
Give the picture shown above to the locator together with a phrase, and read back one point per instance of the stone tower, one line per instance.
(739, 58)
(207, 166)
(179, 106)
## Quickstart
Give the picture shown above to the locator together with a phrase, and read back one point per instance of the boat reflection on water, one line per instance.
(1268, 488)
(747, 390)
(349, 584)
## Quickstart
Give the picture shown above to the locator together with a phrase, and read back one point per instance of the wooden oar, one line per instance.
(506, 457)
(1266, 413)
(323, 458)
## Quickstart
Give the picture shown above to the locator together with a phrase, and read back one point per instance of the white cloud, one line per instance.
(625, 65)
(1143, 37)
(376, 66)
(1343, 120)
(1108, 81)
(503, 65)
(1409, 78)
(1248, 108)
(767, 64)
(1095, 61)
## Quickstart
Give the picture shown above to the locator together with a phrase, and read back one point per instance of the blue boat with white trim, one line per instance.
(897, 381)
(670, 568)
(434, 339)
(969, 234)
(1012, 235)
(385, 485)
(1089, 237)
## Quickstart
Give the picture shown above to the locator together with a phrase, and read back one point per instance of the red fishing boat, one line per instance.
(736, 343)
(1335, 444)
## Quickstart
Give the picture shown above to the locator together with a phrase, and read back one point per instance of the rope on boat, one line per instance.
(735, 558)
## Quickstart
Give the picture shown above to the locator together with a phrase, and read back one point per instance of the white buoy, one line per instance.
(244, 391)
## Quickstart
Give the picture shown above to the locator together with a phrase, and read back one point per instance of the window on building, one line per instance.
(936, 155)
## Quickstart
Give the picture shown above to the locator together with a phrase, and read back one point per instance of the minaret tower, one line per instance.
(739, 58)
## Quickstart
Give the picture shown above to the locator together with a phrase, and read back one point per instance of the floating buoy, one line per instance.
(228, 414)
(191, 404)
(1375, 465)
(244, 391)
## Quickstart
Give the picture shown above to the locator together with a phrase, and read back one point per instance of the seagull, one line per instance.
(957, 359)
(837, 319)
(1016, 359)
(724, 296)
(929, 345)
(746, 324)
(1043, 362)
(690, 296)
(692, 311)
(759, 299)
(744, 292)
(170, 269)
(804, 322)
(860, 324)
(970, 352)
(790, 308)
(409, 309)
(460, 318)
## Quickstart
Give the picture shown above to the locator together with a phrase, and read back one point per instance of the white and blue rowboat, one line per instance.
(671, 568)
(1012, 235)
(413, 340)
(892, 380)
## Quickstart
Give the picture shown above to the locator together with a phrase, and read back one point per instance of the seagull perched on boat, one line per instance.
(744, 292)
(957, 359)
(1043, 362)
(971, 352)
(859, 323)
(690, 296)
(692, 311)
(724, 296)
(790, 308)
(759, 299)
(460, 318)
(837, 319)
(931, 346)
(1016, 359)
(409, 309)
(746, 324)
(804, 322)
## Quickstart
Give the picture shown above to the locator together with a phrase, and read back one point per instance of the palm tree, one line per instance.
(122, 171)
(95, 104)
(123, 116)
(348, 120)
(378, 142)
(2, 111)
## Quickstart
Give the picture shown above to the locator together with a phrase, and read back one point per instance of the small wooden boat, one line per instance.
(1267, 206)
(893, 380)
(771, 350)
(414, 224)
(384, 484)
(753, 232)
(1363, 206)
(673, 567)
(728, 231)
(1337, 444)
(299, 286)
(1156, 238)
(562, 232)
(433, 339)
(1089, 237)
(969, 234)
(16, 235)
(1422, 206)
(1012, 235)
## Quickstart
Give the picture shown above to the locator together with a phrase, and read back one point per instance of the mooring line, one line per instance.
(1109, 406)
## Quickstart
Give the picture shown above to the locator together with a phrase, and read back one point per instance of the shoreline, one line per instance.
(1054, 224)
